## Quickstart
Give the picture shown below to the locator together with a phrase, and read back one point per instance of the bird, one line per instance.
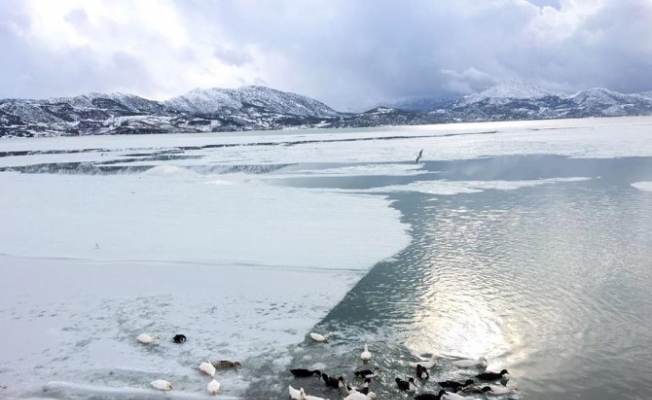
(419, 156)
(492, 376)
(294, 393)
(367, 373)
(224, 364)
(207, 368)
(476, 390)
(452, 396)
(429, 364)
(364, 388)
(332, 382)
(319, 337)
(455, 385)
(365, 356)
(468, 363)
(422, 372)
(304, 373)
(179, 338)
(406, 385)
(430, 396)
(146, 339)
(497, 389)
(161, 384)
(213, 386)
(361, 396)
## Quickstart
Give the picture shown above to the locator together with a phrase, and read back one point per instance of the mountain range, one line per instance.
(262, 108)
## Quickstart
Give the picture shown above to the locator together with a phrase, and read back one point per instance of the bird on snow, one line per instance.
(224, 364)
(207, 368)
(319, 337)
(365, 356)
(146, 339)
(468, 363)
(419, 156)
(161, 384)
(213, 386)
(179, 338)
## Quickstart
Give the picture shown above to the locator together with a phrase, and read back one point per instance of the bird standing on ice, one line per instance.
(146, 339)
(212, 387)
(207, 368)
(365, 356)
(419, 156)
(161, 384)
(319, 337)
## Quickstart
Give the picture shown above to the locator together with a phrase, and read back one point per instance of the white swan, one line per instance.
(213, 386)
(468, 363)
(207, 368)
(294, 393)
(161, 384)
(147, 339)
(365, 356)
(319, 337)
(429, 364)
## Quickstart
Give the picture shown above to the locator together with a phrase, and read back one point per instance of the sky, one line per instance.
(348, 54)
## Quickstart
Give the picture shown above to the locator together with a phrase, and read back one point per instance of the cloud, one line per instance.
(342, 52)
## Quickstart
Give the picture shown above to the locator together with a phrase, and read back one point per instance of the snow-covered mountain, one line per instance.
(506, 90)
(255, 100)
(261, 108)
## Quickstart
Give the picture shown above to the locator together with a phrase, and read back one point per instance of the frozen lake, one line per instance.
(526, 243)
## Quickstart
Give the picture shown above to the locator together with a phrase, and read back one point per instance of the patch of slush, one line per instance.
(645, 186)
(449, 188)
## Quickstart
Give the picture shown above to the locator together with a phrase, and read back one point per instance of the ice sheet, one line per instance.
(645, 186)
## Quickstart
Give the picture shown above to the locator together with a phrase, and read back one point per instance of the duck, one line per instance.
(224, 364)
(452, 396)
(476, 390)
(207, 368)
(147, 339)
(408, 385)
(367, 373)
(492, 376)
(361, 396)
(364, 388)
(428, 364)
(318, 337)
(212, 387)
(161, 384)
(332, 382)
(179, 338)
(304, 373)
(430, 396)
(294, 393)
(468, 363)
(422, 372)
(498, 390)
(455, 385)
(365, 356)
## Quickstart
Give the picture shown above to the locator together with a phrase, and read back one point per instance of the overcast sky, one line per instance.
(345, 53)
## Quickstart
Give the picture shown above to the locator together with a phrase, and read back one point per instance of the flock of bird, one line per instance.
(484, 383)
(206, 366)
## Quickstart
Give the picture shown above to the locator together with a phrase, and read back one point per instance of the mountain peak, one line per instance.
(508, 89)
